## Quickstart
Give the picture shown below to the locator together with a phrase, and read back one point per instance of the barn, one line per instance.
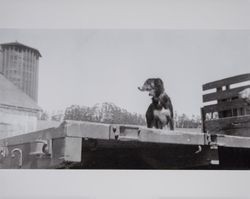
(18, 112)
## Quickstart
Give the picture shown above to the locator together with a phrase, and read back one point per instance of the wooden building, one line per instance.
(18, 111)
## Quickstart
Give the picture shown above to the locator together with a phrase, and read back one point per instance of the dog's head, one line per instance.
(154, 86)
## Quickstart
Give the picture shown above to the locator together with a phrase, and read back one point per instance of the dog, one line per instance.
(160, 111)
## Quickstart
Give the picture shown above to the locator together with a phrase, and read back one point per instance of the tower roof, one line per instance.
(17, 44)
(10, 95)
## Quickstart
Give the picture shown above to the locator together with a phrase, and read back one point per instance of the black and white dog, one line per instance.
(160, 111)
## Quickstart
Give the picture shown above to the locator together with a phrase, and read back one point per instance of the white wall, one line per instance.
(15, 122)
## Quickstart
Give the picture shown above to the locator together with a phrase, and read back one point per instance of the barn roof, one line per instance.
(10, 95)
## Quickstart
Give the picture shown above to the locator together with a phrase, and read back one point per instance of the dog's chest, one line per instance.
(162, 114)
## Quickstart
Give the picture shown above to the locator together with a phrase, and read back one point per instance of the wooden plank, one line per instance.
(244, 132)
(203, 118)
(226, 81)
(233, 141)
(46, 134)
(149, 135)
(73, 149)
(224, 94)
(87, 129)
(171, 137)
(223, 124)
(222, 106)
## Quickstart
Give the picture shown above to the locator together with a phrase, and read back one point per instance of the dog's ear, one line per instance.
(150, 82)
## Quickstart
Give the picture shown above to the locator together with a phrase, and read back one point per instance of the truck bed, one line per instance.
(85, 145)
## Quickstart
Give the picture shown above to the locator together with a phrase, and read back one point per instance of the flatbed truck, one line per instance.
(222, 143)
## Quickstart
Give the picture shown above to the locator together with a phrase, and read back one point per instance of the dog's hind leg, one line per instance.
(171, 116)
(171, 123)
(157, 123)
(160, 125)
(150, 122)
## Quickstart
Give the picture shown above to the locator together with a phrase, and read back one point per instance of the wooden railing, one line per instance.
(229, 114)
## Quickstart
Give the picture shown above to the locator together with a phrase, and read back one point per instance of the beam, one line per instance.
(224, 94)
(226, 81)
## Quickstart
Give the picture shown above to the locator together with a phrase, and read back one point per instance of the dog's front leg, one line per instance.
(150, 116)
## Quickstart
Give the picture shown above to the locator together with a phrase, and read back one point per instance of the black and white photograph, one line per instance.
(125, 100)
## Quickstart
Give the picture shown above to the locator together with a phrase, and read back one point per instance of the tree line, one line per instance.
(103, 113)
(112, 114)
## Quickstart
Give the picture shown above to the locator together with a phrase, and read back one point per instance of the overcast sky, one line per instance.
(86, 67)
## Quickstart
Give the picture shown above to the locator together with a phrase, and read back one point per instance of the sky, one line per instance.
(85, 67)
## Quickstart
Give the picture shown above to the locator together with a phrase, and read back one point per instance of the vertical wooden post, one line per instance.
(228, 113)
(203, 118)
(220, 113)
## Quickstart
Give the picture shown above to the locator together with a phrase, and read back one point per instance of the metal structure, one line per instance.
(20, 64)
(85, 145)
(93, 145)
